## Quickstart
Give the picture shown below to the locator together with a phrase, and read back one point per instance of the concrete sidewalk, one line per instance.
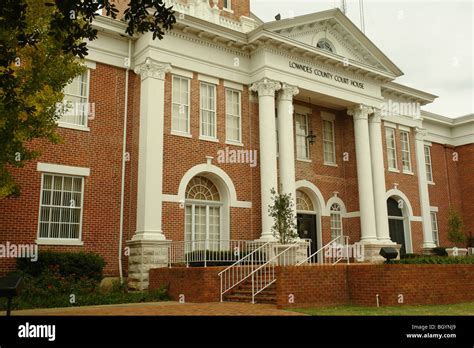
(163, 308)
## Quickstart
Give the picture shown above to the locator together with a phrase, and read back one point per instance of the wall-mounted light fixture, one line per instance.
(311, 137)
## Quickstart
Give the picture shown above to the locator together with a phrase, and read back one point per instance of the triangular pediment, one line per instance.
(343, 36)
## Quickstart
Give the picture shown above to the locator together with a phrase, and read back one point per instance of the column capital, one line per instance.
(152, 68)
(376, 116)
(360, 112)
(420, 133)
(266, 87)
(287, 92)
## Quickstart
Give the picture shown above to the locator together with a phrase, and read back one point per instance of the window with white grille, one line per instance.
(61, 207)
(233, 118)
(302, 146)
(329, 144)
(180, 108)
(428, 164)
(391, 148)
(434, 227)
(406, 158)
(208, 111)
(76, 101)
(336, 221)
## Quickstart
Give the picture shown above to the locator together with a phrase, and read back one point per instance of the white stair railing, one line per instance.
(335, 252)
(264, 275)
(243, 268)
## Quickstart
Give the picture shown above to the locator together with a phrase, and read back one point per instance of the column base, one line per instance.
(148, 235)
(371, 252)
(144, 255)
(428, 246)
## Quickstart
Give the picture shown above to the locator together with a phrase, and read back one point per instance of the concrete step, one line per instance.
(260, 298)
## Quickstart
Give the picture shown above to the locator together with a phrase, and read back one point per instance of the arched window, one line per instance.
(303, 202)
(325, 45)
(203, 213)
(336, 221)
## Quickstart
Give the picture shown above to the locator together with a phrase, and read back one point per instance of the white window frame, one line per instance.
(227, 114)
(428, 164)
(305, 135)
(78, 126)
(405, 152)
(228, 7)
(434, 226)
(338, 214)
(191, 203)
(332, 142)
(201, 109)
(173, 102)
(391, 148)
(60, 241)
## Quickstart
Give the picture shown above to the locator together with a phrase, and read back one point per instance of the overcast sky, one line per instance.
(430, 41)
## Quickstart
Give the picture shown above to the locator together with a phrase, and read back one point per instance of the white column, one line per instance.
(428, 242)
(150, 168)
(360, 114)
(286, 140)
(378, 174)
(268, 164)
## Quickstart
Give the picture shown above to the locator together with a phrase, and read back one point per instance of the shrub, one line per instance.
(436, 260)
(455, 228)
(440, 251)
(53, 290)
(411, 256)
(80, 264)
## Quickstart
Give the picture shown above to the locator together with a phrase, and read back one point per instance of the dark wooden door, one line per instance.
(306, 225)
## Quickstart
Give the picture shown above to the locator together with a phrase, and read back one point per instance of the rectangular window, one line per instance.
(233, 116)
(336, 226)
(76, 100)
(406, 159)
(180, 105)
(429, 166)
(302, 146)
(227, 4)
(208, 110)
(61, 207)
(434, 227)
(329, 147)
(391, 148)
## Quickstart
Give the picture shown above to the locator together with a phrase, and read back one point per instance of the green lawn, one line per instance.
(452, 309)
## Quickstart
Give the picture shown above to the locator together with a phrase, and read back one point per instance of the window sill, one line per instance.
(227, 10)
(179, 134)
(330, 164)
(234, 143)
(47, 241)
(393, 170)
(304, 160)
(431, 183)
(408, 173)
(213, 140)
(74, 126)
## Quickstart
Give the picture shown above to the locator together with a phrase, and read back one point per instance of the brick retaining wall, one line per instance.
(326, 285)
(359, 284)
(197, 284)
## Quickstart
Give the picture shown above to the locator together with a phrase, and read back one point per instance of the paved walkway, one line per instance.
(164, 308)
